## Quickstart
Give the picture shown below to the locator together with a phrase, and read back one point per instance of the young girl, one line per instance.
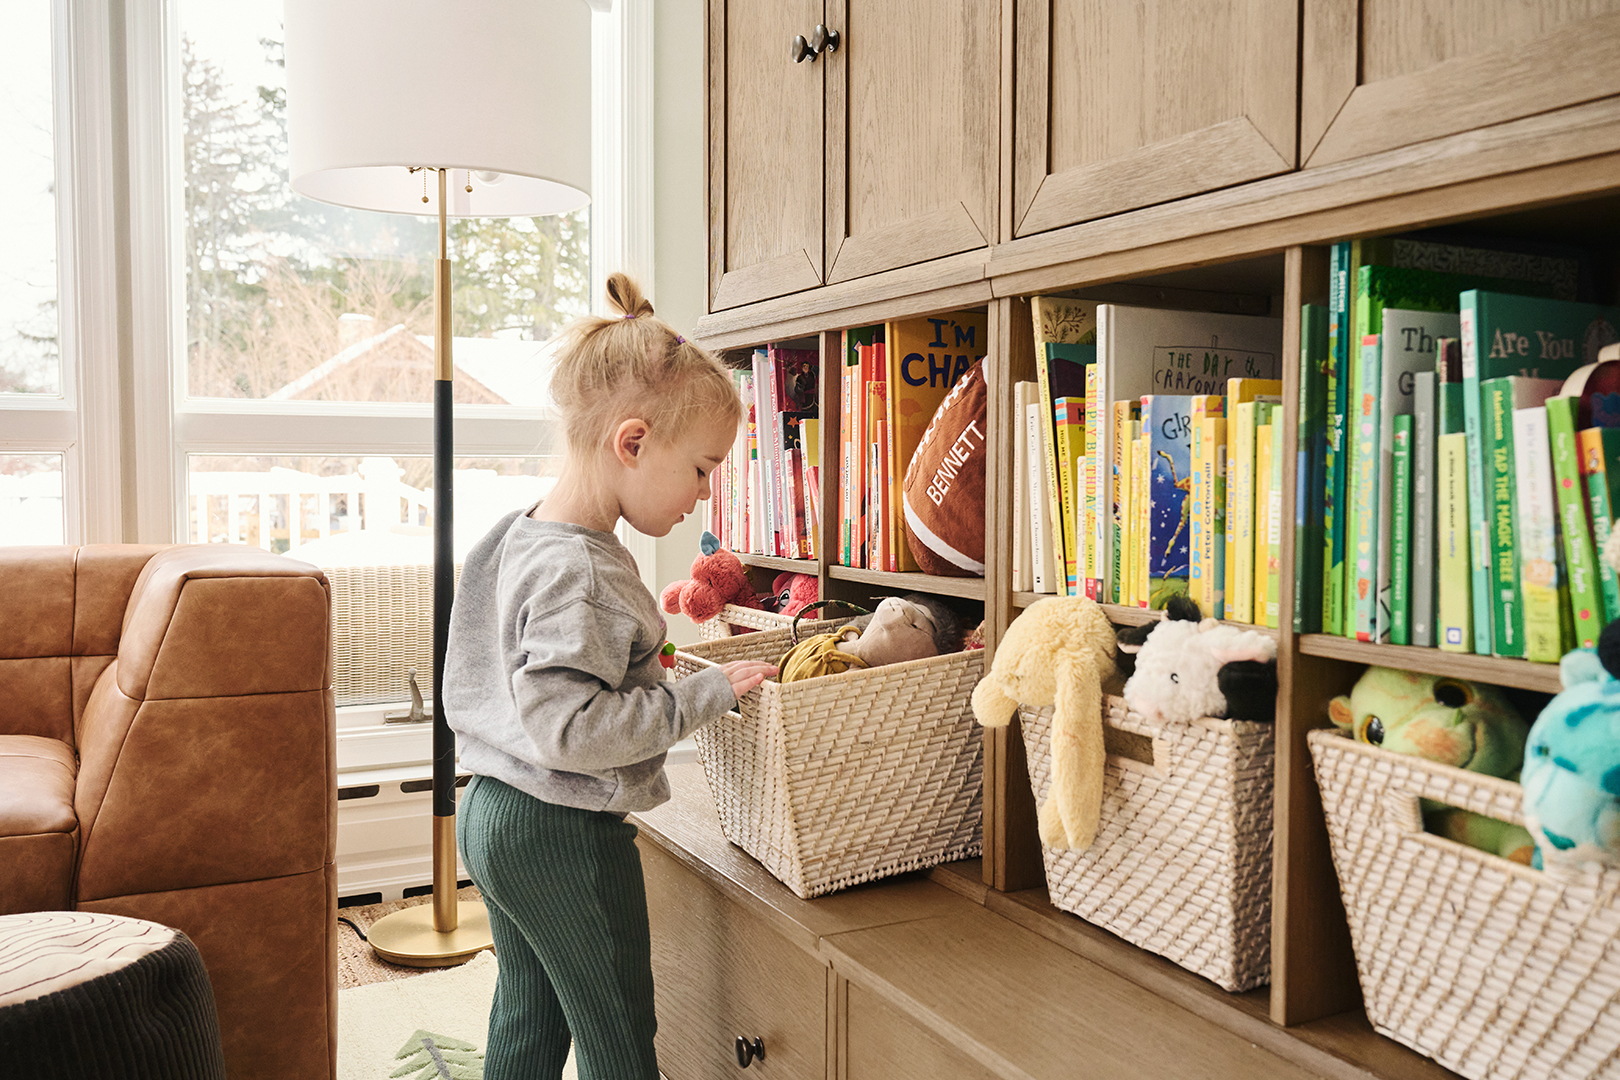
(554, 688)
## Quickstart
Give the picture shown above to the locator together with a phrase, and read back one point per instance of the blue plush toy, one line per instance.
(1572, 761)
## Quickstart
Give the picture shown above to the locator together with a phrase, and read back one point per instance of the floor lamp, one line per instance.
(489, 101)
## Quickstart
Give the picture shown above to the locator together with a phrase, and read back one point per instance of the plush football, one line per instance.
(944, 488)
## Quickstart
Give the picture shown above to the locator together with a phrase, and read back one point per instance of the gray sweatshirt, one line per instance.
(552, 680)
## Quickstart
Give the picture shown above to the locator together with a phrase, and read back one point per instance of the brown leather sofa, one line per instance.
(167, 751)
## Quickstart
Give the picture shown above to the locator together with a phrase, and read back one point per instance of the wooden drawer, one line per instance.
(719, 973)
(882, 1043)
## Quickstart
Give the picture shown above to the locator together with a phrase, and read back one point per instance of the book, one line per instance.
(1142, 351)
(1501, 398)
(1336, 457)
(1168, 420)
(1023, 579)
(1400, 600)
(1240, 463)
(1144, 515)
(1557, 275)
(1454, 605)
(1504, 334)
(925, 358)
(876, 518)
(1039, 501)
(1580, 559)
(1406, 347)
(1067, 412)
(1422, 552)
(1126, 490)
(1213, 467)
(1600, 452)
(1310, 471)
(1263, 432)
(859, 360)
(1536, 534)
(1125, 412)
(1363, 565)
(1448, 384)
(1239, 391)
(1091, 523)
(1060, 321)
(1274, 522)
(1199, 551)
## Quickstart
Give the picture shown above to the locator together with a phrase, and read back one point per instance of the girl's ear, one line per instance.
(629, 439)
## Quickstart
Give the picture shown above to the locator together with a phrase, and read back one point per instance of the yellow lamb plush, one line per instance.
(1058, 652)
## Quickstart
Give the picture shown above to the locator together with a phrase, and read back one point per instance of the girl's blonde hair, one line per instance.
(634, 364)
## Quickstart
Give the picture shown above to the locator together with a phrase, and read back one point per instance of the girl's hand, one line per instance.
(747, 674)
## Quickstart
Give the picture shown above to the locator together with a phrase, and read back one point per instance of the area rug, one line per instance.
(429, 1027)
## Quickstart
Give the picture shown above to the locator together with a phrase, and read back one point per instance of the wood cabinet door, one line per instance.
(912, 130)
(1121, 105)
(1378, 74)
(719, 972)
(765, 151)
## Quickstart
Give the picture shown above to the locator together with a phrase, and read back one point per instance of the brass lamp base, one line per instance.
(407, 937)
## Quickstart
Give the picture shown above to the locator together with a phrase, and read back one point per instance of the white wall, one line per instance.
(680, 257)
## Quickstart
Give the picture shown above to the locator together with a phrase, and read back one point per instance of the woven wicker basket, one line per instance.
(833, 781)
(720, 627)
(1490, 968)
(1181, 865)
(382, 625)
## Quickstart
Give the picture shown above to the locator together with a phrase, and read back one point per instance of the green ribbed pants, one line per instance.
(568, 908)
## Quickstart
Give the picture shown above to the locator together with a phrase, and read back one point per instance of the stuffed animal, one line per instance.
(1058, 653)
(1468, 725)
(942, 498)
(791, 593)
(1572, 761)
(718, 579)
(900, 629)
(1129, 639)
(1187, 669)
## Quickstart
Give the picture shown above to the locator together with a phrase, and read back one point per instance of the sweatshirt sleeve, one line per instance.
(574, 658)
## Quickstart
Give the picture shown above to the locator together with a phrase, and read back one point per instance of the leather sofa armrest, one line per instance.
(207, 749)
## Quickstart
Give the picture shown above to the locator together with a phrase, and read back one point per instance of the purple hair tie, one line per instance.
(679, 340)
(629, 316)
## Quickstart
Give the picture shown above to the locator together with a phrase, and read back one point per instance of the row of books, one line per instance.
(1464, 434)
(893, 378)
(766, 495)
(1146, 466)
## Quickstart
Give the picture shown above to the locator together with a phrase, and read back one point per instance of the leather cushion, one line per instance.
(37, 581)
(105, 576)
(38, 829)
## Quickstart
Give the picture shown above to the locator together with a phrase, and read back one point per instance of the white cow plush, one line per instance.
(1190, 669)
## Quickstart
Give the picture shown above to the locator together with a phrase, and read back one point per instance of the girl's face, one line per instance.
(663, 481)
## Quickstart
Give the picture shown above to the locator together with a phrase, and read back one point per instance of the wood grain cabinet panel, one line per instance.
(720, 972)
(882, 1043)
(1379, 74)
(766, 137)
(912, 129)
(1119, 106)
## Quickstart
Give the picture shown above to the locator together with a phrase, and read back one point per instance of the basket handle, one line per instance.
(793, 629)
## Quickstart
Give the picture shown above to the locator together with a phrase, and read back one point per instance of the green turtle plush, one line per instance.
(1452, 721)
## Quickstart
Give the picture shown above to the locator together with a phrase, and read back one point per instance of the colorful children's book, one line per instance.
(1363, 561)
(1144, 351)
(1213, 467)
(1126, 490)
(1168, 418)
(1240, 464)
(1090, 468)
(1421, 555)
(1239, 391)
(1118, 484)
(1198, 550)
(1501, 398)
(1504, 334)
(1311, 509)
(1144, 515)
(1537, 536)
(1400, 602)
(1039, 501)
(926, 357)
(1263, 432)
(1069, 413)
(1580, 560)
(858, 363)
(1060, 321)
(1274, 522)
(1337, 456)
(1455, 609)
(1600, 469)
(1406, 347)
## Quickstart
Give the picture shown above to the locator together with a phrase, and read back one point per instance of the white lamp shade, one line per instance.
(490, 86)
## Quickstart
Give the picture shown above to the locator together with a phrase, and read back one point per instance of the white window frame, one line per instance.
(82, 421)
(169, 426)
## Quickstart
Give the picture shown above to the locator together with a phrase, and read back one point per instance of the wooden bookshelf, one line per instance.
(777, 563)
(1122, 615)
(1499, 670)
(968, 588)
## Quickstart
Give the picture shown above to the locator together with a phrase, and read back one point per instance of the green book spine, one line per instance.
(1335, 455)
(1310, 509)
(1536, 536)
(1600, 450)
(1363, 515)
(1455, 570)
(1585, 594)
(1400, 533)
(1502, 582)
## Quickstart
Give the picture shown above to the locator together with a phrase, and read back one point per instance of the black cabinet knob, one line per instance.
(748, 1052)
(824, 40)
(802, 50)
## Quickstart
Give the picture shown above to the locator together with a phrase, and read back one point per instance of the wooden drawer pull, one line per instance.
(747, 1051)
